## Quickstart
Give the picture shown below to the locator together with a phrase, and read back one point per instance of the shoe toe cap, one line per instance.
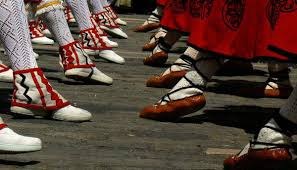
(73, 114)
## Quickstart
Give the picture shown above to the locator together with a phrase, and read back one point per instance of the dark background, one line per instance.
(139, 7)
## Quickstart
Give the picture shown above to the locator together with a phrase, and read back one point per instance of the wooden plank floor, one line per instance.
(117, 139)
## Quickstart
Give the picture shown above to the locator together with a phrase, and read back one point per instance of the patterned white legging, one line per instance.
(14, 34)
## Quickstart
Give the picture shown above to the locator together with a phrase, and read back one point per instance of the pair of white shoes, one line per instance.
(11, 142)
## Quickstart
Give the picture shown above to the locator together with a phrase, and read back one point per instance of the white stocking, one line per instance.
(81, 13)
(15, 34)
(57, 24)
(96, 6)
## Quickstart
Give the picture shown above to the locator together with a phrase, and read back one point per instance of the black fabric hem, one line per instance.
(255, 59)
(184, 33)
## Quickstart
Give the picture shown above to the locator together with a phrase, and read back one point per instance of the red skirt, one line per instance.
(176, 16)
(162, 2)
(246, 29)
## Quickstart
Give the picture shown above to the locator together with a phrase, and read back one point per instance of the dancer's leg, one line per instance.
(92, 41)
(32, 94)
(76, 62)
(273, 143)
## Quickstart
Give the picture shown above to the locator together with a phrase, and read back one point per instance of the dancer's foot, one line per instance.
(159, 55)
(11, 142)
(44, 29)
(153, 22)
(154, 40)
(77, 65)
(273, 88)
(94, 45)
(107, 24)
(115, 16)
(34, 96)
(185, 98)
(270, 149)
(37, 37)
(172, 75)
(156, 59)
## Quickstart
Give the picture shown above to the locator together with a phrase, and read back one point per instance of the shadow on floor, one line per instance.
(5, 99)
(241, 88)
(18, 163)
(49, 70)
(178, 50)
(249, 118)
(73, 82)
(230, 73)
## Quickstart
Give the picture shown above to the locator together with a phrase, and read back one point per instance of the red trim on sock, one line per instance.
(3, 125)
(26, 71)
(3, 68)
(39, 107)
(39, 89)
(75, 54)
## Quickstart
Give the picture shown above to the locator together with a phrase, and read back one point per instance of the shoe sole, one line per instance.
(13, 149)
(173, 109)
(25, 112)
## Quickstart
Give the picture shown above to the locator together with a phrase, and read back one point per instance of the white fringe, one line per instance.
(48, 9)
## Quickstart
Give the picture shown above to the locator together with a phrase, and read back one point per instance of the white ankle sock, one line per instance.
(183, 63)
(194, 82)
(270, 134)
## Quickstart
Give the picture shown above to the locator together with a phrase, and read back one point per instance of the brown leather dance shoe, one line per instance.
(173, 109)
(166, 81)
(149, 46)
(262, 159)
(147, 27)
(157, 59)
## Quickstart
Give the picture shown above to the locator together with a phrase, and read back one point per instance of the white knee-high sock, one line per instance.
(14, 34)
(81, 13)
(57, 24)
